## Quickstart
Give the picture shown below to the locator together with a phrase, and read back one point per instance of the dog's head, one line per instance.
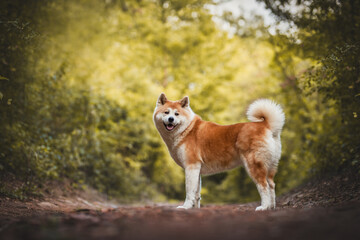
(172, 116)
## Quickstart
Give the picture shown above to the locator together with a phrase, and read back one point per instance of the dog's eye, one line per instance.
(167, 112)
(176, 114)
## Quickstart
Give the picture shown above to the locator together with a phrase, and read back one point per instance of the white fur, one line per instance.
(268, 152)
(177, 152)
(192, 176)
(273, 149)
(198, 194)
(265, 193)
(180, 155)
(192, 179)
(265, 109)
(173, 138)
(265, 197)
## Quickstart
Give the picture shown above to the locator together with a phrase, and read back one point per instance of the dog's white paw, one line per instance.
(261, 208)
(183, 207)
(187, 205)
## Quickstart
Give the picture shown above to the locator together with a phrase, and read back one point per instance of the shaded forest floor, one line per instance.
(327, 208)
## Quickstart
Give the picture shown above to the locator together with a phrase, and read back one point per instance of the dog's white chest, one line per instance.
(178, 153)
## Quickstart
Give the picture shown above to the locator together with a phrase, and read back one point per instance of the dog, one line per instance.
(204, 148)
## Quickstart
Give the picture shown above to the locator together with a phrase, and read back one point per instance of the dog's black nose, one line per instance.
(171, 119)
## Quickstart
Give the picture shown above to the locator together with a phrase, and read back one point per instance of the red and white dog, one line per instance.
(203, 148)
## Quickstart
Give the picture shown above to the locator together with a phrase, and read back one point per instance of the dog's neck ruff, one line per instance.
(186, 130)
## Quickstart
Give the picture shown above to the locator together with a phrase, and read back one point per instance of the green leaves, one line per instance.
(3, 78)
(85, 87)
(328, 35)
(85, 90)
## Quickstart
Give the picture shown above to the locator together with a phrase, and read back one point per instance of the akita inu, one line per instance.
(203, 148)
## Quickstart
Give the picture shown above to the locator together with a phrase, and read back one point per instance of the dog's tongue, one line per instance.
(169, 127)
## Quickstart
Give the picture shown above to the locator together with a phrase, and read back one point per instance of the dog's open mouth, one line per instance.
(169, 126)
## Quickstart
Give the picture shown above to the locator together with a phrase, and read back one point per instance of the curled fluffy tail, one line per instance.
(269, 111)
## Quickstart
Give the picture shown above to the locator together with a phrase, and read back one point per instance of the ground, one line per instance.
(321, 209)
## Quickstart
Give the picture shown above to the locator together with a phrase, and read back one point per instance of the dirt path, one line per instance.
(210, 222)
(327, 209)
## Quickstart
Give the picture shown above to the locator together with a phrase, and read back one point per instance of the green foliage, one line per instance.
(328, 33)
(79, 81)
(337, 79)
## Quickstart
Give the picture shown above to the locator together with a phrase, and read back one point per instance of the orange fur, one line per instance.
(213, 144)
(217, 148)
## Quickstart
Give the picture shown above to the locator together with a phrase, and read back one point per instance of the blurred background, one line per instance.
(79, 81)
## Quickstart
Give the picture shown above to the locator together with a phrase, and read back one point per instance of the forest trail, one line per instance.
(324, 209)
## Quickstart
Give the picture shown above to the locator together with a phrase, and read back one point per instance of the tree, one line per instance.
(328, 33)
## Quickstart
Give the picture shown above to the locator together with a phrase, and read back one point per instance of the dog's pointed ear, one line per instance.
(185, 102)
(161, 100)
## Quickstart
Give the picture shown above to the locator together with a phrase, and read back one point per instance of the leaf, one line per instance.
(1, 95)
(3, 78)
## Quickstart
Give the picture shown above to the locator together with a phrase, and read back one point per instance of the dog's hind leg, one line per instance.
(258, 172)
(192, 174)
(270, 180)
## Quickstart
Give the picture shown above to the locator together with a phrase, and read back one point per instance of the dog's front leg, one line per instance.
(198, 195)
(192, 174)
